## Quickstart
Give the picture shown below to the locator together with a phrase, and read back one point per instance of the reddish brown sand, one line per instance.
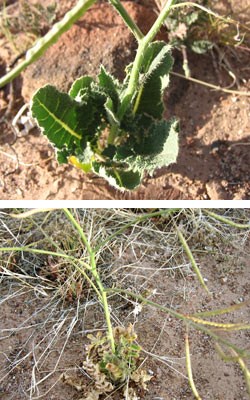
(214, 155)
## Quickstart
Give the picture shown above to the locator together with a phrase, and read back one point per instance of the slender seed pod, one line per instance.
(50, 38)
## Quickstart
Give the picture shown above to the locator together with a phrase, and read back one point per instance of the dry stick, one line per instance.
(189, 368)
(219, 88)
(192, 260)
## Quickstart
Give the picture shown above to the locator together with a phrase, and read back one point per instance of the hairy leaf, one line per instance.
(151, 141)
(82, 83)
(148, 137)
(68, 124)
(167, 156)
(155, 77)
(111, 117)
(59, 116)
(110, 86)
(85, 128)
(201, 46)
(120, 178)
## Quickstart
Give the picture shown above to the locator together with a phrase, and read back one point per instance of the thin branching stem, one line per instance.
(186, 318)
(95, 274)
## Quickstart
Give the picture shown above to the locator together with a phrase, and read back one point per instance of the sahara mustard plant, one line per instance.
(115, 129)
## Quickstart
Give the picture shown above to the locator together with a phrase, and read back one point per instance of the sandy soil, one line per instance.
(42, 335)
(213, 161)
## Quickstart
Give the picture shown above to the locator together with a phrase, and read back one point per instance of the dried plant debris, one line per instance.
(74, 382)
(112, 370)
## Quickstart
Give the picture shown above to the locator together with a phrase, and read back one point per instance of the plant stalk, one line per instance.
(189, 367)
(50, 38)
(183, 317)
(226, 220)
(95, 275)
(127, 19)
(143, 44)
(159, 21)
(192, 260)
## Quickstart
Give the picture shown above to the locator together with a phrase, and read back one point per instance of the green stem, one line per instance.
(183, 317)
(189, 367)
(50, 38)
(80, 231)
(95, 275)
(192, 260)
(36, 251)
(143, 44)
(159, 21)
(127, 19)
(226, 221)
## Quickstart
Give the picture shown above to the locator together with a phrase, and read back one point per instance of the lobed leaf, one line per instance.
(82, 83)
(165, 157)
(118, 177)
(110, 86)
(59, 116)
(155, 78)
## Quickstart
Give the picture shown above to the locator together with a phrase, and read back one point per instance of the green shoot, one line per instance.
(192, 260)
(189, 368)
(226, 220)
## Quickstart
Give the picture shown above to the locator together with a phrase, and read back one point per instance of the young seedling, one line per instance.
(115, 129)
